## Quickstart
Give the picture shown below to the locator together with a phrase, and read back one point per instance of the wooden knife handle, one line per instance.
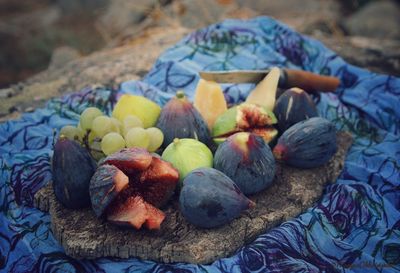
(310, 82)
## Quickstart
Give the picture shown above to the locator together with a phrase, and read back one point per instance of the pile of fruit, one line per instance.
(127, 167)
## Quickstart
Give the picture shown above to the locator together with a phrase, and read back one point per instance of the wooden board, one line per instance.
(84, 236)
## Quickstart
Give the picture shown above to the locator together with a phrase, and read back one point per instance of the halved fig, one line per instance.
(245, 117)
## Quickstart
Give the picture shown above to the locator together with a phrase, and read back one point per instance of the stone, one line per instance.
(197, 14)
(109, 67)
(121, 15)
(296, 14)
(83, 236)
(376, 55)
(63, 55)
(73, 7)
(377, 19)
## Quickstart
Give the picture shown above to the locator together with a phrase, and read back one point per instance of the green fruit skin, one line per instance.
(187, 154)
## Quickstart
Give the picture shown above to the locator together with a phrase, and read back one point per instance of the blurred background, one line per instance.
(36, 35)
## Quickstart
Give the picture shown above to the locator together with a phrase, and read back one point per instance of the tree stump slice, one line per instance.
(84, 236)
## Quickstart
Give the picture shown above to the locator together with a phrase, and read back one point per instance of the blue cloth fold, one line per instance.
(355, 227)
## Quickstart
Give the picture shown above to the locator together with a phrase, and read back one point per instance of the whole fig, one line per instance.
(293, 106)
(209, 198)
(247, 160)
(179, 119)
(72, 169)
(307, 144)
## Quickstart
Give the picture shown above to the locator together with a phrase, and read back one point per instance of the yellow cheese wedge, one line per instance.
(209, 100)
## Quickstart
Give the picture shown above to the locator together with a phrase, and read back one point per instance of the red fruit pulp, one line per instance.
(130, 160)
(135, 212)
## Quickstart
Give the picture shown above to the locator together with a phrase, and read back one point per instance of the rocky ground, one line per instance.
(76, 43)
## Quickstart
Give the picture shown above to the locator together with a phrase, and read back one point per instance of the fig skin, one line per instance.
(245, 117)
(293, 106)
(210, 199)
(72, 169)
(307, 144)
(247, 160)
(179, 119)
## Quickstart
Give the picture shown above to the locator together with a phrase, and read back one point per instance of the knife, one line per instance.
(308, 81)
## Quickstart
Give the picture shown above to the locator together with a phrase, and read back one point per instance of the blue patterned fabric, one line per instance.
(355, 227)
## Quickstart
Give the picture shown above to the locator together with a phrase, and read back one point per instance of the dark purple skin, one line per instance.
(72, 169)
(179, 119)
(307, 144)
(210, 199)
(103, 187)
(293, 106)
(252, 169)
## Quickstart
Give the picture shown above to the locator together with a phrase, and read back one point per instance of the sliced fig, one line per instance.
(130, 184)
(130, 159)
(158, 182)
(105, 185)
(135, 212)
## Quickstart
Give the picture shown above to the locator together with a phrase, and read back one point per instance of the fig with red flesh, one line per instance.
(130, 159)
(105, 185)
(134, 211)
(150, 185)
(245, 117)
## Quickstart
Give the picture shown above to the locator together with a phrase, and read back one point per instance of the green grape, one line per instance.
(156, 138)
(112, 142)
(117, 125)
(131, 121)
(137, 137)
(71, 132)
(102, 125)
(87, 117)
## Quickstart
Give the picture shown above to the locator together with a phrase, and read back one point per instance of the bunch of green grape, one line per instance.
(105, 135)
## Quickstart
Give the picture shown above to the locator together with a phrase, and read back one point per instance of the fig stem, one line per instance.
(180, 94)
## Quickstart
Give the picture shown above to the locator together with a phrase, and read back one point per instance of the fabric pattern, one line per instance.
(355, 227)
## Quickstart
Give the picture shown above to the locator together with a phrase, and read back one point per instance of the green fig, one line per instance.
(186, 155)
